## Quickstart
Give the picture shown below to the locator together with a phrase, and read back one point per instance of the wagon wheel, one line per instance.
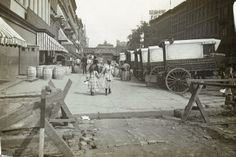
(153, 74)
(154, 71)
(176, 80)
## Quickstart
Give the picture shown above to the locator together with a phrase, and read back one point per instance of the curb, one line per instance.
(127, 115)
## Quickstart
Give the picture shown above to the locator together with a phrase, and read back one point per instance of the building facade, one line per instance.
(196, 19)
(50, 29)
(103, 51)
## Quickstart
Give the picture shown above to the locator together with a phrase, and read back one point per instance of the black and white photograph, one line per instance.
(117, 78)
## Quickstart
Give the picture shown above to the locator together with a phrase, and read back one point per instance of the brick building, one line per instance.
(103, 51)
(194, 19)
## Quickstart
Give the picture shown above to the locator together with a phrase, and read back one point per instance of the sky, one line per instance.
(111, 20)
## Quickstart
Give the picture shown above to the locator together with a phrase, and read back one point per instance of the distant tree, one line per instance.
(135, 37)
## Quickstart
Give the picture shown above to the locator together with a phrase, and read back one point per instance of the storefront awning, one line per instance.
(8, 36)
(62, 37)
(47, 43)
(67, 43)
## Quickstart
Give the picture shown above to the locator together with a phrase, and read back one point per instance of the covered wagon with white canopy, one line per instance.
(173, 62)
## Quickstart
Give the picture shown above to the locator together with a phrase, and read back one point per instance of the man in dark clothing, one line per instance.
(84, 64)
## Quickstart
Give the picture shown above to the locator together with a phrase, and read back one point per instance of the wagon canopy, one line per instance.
(214, 41)
(156, 53)
(184, 49)
(144, 52)
(131, 56)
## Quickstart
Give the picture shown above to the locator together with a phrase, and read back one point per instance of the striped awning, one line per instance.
(47, 43)
(9, 37)
(62, 37)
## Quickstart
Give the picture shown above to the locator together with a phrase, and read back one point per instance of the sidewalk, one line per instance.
(130, 96)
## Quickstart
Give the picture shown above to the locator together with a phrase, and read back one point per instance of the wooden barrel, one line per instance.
(58, 73)
(76, 69)
(47, 73)
(31, 72)
(39, 71)
(67, 70)
(125, 75)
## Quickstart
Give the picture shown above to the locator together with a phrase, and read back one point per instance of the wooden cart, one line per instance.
(170, 64)
(134, 59)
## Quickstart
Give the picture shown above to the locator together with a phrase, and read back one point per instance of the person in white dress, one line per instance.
(107, 71)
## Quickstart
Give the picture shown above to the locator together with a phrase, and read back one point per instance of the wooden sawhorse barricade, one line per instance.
(195, 88)
(52, 101)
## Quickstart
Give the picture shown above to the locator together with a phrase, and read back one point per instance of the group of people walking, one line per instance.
(98, 76)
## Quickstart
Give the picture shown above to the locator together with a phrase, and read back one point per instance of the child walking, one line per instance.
(107, 71)
(92, 78)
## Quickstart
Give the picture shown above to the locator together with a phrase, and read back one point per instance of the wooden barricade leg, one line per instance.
(16, 116)
(0, 146)
(192, 99)
(57, 140)
(66, 114)
(56, 96)
(42, 123)
(203, 113)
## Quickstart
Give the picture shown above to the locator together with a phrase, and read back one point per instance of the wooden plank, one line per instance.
(41, 142)
(192, 99)
(64, 115)
(222, 123)
(42, 123)
(53, 104)
(20, 140)
(212, 80)
(0, 145)
(203, 113)
(66, 109)
(22, 95)
(54, 97)
(43, 109)
(71, 120)
(67, 87)
(58, 141)
(16, 116)
(215, 84)
(67, 112)
(26, 142)
(55, 111)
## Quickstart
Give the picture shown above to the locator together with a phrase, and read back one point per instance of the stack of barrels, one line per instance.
(40, 71)
(48, 72)
(76, 68)
(31, 72)
(58, 72)
(125, 75)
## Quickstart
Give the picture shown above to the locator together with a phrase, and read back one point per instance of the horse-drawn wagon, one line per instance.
(173, 62)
